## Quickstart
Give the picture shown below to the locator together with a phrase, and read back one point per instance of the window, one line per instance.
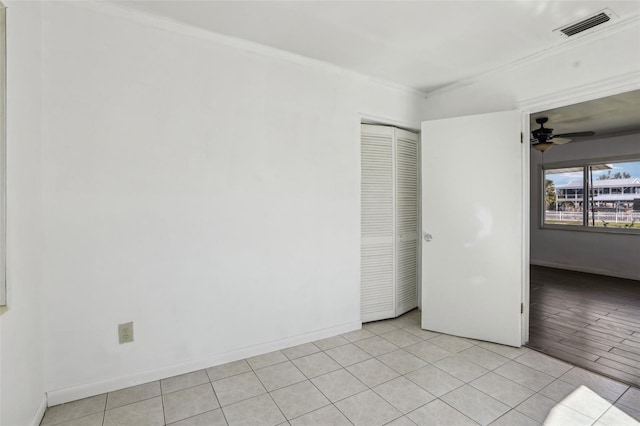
(563, 196)
(603, 195)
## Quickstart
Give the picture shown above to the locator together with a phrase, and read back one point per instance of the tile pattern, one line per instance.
(591, 321)
(389, 373)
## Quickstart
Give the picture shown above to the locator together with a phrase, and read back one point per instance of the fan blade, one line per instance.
(560, 141)
(575, 135)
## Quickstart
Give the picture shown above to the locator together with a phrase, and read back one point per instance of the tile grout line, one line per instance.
(224, 415)
(326, 397)
(104, 413)
(164, 414)
(322, 393)
(439, 398)
(331, 404)
(269, 393)
(343, 413)
(196, 415)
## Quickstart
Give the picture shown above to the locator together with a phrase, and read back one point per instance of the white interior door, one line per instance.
(474, 191)
(377, 296)
(406, 221)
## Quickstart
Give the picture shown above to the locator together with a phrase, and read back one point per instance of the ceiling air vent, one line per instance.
(586, 24)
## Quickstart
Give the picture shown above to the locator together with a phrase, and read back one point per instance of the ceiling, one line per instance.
(613, 115)
(420, 44)
(424, 45)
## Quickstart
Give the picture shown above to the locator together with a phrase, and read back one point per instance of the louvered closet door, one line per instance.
(376, 258)
(406, 221)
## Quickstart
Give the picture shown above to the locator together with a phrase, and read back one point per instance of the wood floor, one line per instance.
(591, 321)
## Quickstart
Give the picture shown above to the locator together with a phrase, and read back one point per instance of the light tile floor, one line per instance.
(389, 373)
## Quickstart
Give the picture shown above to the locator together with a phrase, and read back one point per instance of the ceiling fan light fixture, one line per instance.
(560, 141)
(542, 146)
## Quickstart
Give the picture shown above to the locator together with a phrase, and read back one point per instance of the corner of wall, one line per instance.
(22, 390)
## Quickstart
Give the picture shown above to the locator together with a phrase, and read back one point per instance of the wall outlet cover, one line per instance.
(125, 332)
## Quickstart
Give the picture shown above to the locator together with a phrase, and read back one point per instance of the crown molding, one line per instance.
(599, 89)
(170, 25)
(384, 121)
(392, 85)
(560, 47)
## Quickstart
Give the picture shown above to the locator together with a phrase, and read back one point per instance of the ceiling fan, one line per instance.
(543, 138)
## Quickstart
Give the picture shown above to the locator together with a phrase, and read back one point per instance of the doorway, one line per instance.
(585, 293)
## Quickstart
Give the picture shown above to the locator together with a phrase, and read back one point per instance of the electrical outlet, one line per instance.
(125, 332)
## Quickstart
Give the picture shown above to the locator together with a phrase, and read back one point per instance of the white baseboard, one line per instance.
(37, 418)
(587, 269)
(60, 396)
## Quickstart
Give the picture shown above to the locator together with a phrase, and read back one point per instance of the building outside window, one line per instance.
(603, 195)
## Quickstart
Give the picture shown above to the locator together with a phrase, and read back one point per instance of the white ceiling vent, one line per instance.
(586, 24)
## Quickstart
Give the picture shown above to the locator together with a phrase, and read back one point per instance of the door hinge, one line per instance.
(522, 308)
(521, 137)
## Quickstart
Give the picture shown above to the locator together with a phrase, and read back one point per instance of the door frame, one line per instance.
(600, 89)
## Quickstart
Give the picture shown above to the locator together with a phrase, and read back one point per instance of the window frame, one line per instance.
(586, 187)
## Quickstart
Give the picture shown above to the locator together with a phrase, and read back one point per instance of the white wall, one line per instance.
(601, 253)
(207, 193)
(21, 354)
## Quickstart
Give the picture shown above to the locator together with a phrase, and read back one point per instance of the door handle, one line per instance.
(427, 237)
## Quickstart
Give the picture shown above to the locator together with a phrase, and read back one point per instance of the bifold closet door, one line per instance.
(377, 290)
(389, 221)
(406, 236)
